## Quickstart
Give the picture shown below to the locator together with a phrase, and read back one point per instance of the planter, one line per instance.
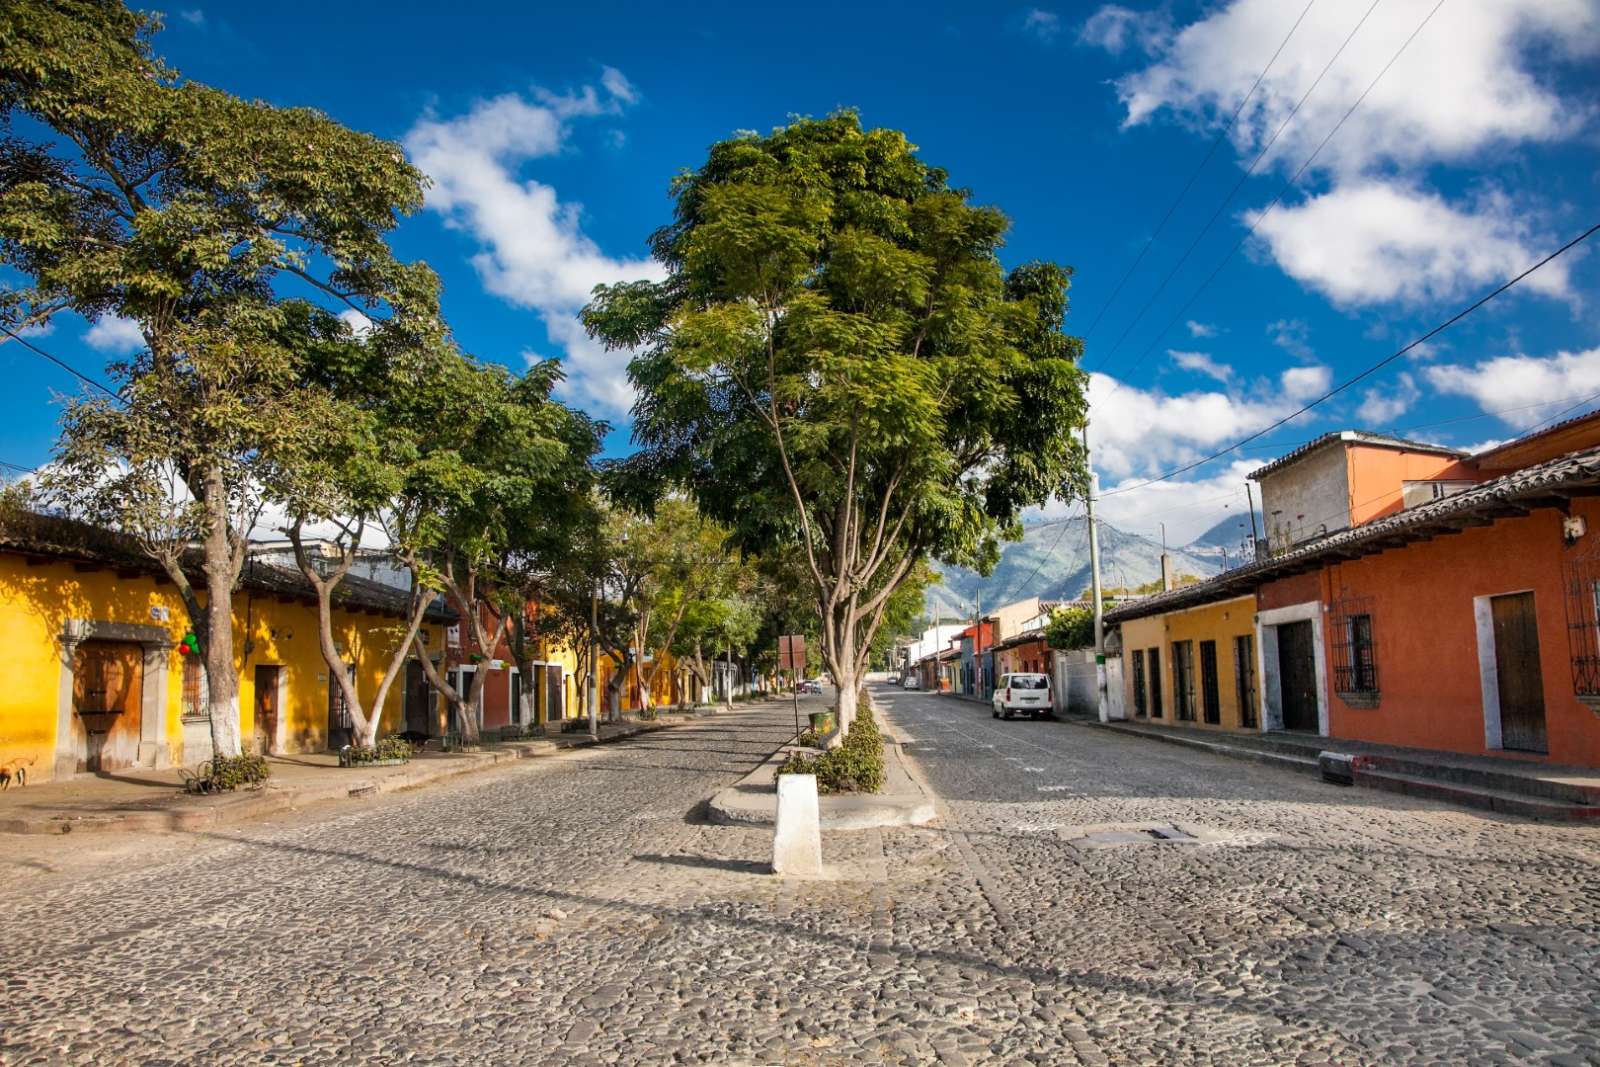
(822, 723)
(374, 763)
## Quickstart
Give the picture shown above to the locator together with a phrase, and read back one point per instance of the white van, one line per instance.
(1024, 694)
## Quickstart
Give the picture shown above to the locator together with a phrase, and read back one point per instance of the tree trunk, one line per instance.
(221, 571)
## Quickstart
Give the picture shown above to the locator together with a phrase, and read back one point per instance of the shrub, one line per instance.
(856, 766)
(226, 774)
(388, 748)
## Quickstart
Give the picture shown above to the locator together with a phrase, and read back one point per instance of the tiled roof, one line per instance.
(1358, 437)
(1542, 485)
(57, 537)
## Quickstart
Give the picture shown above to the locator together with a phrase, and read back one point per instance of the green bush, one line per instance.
(856, 766)
(226, 774)
(388, 748)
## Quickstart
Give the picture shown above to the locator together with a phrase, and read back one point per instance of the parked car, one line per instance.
(1023, 694)
(810, 685)
(910, 682)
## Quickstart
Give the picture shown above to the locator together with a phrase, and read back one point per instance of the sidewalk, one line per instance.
(138, 799)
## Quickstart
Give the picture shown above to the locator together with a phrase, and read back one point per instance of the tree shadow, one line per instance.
(707, 863)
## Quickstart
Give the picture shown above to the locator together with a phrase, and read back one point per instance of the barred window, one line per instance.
(1583, 626)
(1183, 680)
(1138, 683)
(1155, 682)
(1355, 650)
(193, 705)
(1244, 677)
(1210, 698)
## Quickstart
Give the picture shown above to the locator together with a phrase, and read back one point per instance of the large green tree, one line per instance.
(128, 191)
(838, 360)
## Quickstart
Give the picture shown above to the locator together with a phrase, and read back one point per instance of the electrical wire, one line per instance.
(1243, 178)
(1276, 200)
(63, 364)
(1368, 372)
(1215, 142)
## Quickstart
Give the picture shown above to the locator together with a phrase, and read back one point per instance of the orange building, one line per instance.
(1462, 614)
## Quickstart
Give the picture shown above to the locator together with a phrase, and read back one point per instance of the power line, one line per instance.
(1222, 133)
(1276, 200)
(1368, 372)
(63, 364)
(1240, 183)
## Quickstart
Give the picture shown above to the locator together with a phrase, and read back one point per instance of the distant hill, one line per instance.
(1229, 538)
(1052, 562)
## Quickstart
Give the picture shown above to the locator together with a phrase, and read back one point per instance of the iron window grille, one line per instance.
(1582, 580)
(1210, 698)
(1355, 651)
(1244, 678)
(1183, 680)
(1155, 683)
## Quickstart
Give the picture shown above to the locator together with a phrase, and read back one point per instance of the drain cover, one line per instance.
(1119, 835)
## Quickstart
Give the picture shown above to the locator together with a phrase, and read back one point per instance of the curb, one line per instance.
(753, 800)
(270, 801)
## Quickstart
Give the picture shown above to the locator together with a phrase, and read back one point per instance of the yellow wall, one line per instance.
(36, 602)
(1220, 622)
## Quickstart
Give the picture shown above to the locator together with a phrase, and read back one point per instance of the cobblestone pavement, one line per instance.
(579, 910)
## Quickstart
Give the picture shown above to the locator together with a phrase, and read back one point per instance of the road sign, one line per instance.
(792, 653)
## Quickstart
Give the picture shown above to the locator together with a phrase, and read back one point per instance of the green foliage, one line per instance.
(856, 766)
(838, 365)
(226, 774)
(387, 749)
(1070, 628)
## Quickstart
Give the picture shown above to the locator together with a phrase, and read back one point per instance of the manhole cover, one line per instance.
(1117, 836)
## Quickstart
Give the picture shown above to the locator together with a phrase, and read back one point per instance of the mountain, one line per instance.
(1228, 542)
(1052, 562)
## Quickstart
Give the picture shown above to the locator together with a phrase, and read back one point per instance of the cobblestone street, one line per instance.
(581, 910)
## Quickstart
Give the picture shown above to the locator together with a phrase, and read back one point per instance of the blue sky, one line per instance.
(551, 133)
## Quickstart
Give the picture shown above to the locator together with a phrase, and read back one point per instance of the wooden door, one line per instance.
(1297, 673)
(555, 690)
(341, 726)
(1521, 681)
(419, 701)
(267, 709)
(107, 696)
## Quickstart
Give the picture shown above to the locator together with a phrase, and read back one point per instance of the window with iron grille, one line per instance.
(1154, 655)
(1183, 680)
(1244, 678)
(339, 708)
(1355, 651)
(1210, 700)
(1583, 626)
(193, 705)
(1138, 683)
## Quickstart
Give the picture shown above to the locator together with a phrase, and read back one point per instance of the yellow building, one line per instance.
(1191, 666)
(90, 635)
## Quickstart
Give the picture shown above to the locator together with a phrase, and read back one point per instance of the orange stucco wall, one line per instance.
(1421, 600)
(1376, 477)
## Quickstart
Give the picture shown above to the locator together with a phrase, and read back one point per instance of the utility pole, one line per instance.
(594, 663)
(1094, 587)
(1251, 498)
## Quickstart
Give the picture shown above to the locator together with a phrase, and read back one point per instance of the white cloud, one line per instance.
(1475, 80)
(1305, 383)
(1116, 28)
(1468, 80)
(38, 329)
(1045, 25)
(1293, 336)
(1201, 329)
(360, 324)
(1136, 433)
(193, 16)
(533, 250)
(1382, 404)
(116, 335)
(1201, 363)
(1371, 242)
(1523, 383)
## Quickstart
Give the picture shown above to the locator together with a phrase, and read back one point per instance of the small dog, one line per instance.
(15, 771)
